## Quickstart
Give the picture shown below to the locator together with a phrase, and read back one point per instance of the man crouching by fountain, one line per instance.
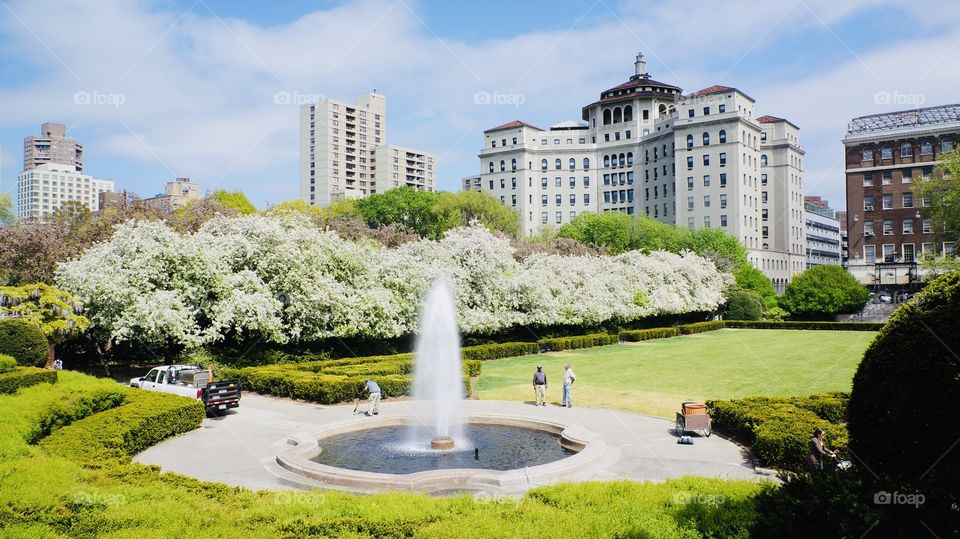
(373, 390)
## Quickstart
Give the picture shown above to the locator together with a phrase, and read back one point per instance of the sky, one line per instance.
(209, 88)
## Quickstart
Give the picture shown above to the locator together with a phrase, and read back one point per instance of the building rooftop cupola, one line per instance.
(640, 68)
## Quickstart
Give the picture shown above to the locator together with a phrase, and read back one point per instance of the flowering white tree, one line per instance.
(281, 279)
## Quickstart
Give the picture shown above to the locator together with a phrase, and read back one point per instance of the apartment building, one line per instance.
(339, 147)
(700, 160)
(823, 234)
(52, 147)
(176, 195)
(45, 188)
(887, 228)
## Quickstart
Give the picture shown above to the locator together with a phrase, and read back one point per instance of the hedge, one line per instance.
(20, 377)
(700, 327)
(771, 324)
(486, 352)
(778, 429)
(62, 413)
(113, 436)
(634, 335)
(7, 363)
(579, 341)
(24, 341)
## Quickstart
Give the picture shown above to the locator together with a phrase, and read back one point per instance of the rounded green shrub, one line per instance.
(24, 341)
(744, 305)
(7, 363)
(823, 291)
(902, 408)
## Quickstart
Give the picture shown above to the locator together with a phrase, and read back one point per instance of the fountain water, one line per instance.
(438, 374)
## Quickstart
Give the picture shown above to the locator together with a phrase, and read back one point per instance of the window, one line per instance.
(888, 227)
(870, 253)
(513, 165)
(868, 228)
(690, 163)
(908, 226)
(626, 134)
(888, 201)
(929, 249)
(866, 154)
(586, 199)
(491, 166)
(908, 200)
(690, 114)
(543, 217)
(706, 180)
(868, 179)
(763, 160)
(949, 248)
(928, 225)
(926, 148)
(706, 139)
(706, 111)
(606, 197)
(723, 159)
(887, 177)
(513, 200)
(557, 164)
(617, 115)
(543, 183)
(723, 219)
(573, 215)
(689, 183)
(503, 183)
(888, 252)
(723, 180)
(906, 176)
(573, 182)
(706, 201)
(723, 202)
(558, 199)
(513, 183)
(630, 159)
(514, 140)
(606, 116)
(706, 160)
(572, 164)
(606, 179)
(543, 164)
(723, 134)
(908, 252)
(906, 150)
(493, 143)
(690, 203)
(628, 114)
(886, 152)
(586, 181)
(763, 179)
(573, 199)
(868, 203)
(763, 136)
(503, 166)
(946, 146)
(689, 222)
(558, 182)
(721, 108)
(491, 185)
(543, 200)
(689, 141)
(586, 163)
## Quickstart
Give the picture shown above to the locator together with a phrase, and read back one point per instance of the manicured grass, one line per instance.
(653, 377)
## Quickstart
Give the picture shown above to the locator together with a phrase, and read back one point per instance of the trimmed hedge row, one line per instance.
(62, 413)
(486, 352)
(635, 335)
(700, 327)
(24, 341)
(113, 436)
(779, 429)
(578, 341)
(20, 377)
(772, 324)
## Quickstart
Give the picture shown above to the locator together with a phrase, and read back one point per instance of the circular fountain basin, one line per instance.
(372, 454)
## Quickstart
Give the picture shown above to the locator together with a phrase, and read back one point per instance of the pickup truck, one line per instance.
(194, 382)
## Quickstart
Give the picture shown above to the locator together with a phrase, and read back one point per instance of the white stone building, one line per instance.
(43, 189)
(697, 160)
(340, 144)
(823, 235)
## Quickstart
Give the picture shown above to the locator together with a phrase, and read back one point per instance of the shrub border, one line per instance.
(21, 377)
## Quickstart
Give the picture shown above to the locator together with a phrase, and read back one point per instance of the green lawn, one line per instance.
(653, 377)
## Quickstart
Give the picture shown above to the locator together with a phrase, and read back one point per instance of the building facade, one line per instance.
(45, 188)
(339, 146)
(886, 226)
(823, 234)
(700, 160)
(176, 195)
(52, 147)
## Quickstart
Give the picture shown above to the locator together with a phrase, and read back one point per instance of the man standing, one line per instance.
(373, 389)
(568, 379)
(540, 386)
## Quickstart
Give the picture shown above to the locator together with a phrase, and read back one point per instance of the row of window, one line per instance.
(617, 115)
(887, 201)
(707, 181)
(906, 149)
(889, 225)
(706, 160)
(886, 177)
(706, 139)
(907, 252)
(558, 199)
(721, 108)
(707, 221)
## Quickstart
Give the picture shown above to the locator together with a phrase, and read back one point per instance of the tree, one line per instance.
(941, 191)
(235, 200)
(823, 291)
(725, 250)
(743, 305)
(413, 208)
(24, 341)
(467, 207)
(750, 278)
(610, 229)
(54, 311)
(7, 215)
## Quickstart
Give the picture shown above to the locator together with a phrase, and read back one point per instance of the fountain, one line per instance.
(438, 374)
(429, 444)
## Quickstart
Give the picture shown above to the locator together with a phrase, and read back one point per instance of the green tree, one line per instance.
(941, 190)
(7, 215)
(750, 278)
(743, 305)
(236, 200)
(465, 207)
(413, 208)
(610, 229)
(52, 310)
(823, 291)
(297, 205)
(725, 250)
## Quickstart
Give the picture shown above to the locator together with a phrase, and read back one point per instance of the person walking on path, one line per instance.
(373, 389)
(540, 386)
(818, 451)
(568, 379)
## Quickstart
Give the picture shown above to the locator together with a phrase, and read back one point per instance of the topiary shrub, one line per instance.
(700, 327)
(7, 363)
(744, 305)
(634, 335)
(20, 377)
(823, 291)
(903, 405)
(24, 341)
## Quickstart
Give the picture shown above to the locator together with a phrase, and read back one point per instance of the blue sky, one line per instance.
(186, 87)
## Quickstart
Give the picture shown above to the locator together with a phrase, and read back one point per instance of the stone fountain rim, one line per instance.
(302, 447)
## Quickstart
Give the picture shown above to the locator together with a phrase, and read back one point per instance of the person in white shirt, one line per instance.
(568, 379)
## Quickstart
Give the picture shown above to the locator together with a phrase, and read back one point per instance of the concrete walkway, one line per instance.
(240, 448)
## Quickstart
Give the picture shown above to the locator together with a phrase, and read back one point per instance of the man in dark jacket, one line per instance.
(540, 386)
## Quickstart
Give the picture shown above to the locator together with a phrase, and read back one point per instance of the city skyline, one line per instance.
(211, 90)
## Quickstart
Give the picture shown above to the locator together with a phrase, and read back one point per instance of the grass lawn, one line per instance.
(653, 377)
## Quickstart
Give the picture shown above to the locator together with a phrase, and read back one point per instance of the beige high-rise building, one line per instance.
(340, 147)
(176, 195)
(52, 147)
